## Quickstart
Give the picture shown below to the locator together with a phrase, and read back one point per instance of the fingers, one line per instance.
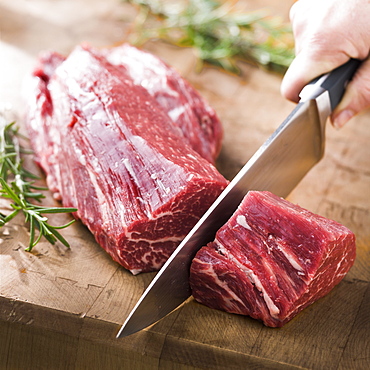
(328, 33)
(304, 68)
(320, 44)
(356, 97)
(357, 94)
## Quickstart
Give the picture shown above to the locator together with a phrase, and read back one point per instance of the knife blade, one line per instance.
(277, 166)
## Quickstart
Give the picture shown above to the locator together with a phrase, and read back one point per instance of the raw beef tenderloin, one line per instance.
(271, 260)
(188, 110)
(110, 150)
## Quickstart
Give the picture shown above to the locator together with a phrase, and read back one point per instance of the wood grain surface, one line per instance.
(61, 308)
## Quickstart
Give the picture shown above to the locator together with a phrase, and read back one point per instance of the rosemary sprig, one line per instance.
(17, 185)
(221, 33)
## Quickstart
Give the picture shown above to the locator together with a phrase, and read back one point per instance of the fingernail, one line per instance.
(342, 118)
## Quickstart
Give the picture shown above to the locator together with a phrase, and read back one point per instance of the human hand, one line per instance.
(328, 33)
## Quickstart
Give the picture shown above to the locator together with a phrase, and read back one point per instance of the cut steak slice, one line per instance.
(271, 260)
(186, 107)
(110, 150)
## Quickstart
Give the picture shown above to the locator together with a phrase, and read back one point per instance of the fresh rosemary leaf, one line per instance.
(220, 32)
(54, 209)
(17, 185)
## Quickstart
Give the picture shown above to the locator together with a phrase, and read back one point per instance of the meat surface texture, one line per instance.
(109, 149)
(186, 107)
(271, 260)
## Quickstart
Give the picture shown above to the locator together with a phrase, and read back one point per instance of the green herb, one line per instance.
(17, 185)
(220, 33)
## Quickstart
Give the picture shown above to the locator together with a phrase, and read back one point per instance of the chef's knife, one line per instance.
(277, 166)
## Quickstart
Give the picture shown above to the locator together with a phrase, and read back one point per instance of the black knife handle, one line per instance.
(335, 82)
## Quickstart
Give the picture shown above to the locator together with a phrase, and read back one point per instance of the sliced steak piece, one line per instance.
(110, 150)
(186, 107)
(271, 260)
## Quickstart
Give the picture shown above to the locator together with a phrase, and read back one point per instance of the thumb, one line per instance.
(356, 97)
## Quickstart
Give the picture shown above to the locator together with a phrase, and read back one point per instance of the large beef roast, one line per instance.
(111, 150)
(271, 260)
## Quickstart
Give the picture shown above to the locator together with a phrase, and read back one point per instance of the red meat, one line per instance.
(188, 110)
(110, 150)
(271, 260)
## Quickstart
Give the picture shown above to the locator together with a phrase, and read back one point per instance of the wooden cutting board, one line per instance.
(61, 309)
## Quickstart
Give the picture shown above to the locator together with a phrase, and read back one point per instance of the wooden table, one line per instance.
(61, 309)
